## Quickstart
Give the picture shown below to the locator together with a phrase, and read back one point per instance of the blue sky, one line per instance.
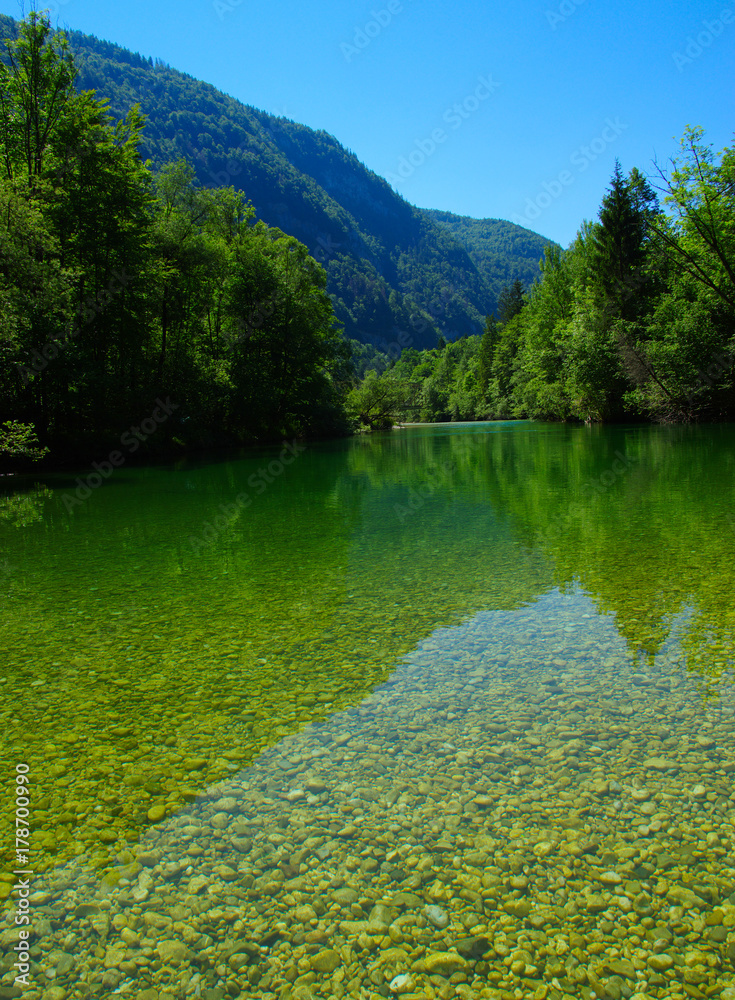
(514, 110)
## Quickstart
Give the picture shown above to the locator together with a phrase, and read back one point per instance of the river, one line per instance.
(441, 712)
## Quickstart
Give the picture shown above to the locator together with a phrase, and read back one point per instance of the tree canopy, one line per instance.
(120, 287)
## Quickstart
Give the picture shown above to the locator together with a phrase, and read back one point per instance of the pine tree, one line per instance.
(510, 302)
(618, 245)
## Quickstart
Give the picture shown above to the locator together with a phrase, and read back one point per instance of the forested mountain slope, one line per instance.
(396, 273)
(501, 251)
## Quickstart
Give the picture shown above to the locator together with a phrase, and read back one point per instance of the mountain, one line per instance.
(501, 251)
(397, 274)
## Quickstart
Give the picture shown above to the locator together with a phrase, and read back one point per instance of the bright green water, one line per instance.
(154, 643)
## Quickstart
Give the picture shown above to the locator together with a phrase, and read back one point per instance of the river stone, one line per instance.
(172, 952)
(149, 859)
(682, 896)
(197, 884)
(623, 967)
(660, 764)
(239, 961)
(114, 955)
(436, 916)
(402, 984)
(345, 896)
(242, 844)
(517, 907)
(409, 900)
(315, 785)
(9, 938)
(660, 963)
(380, 917)
(473, 948)
(64, 963)
(325, 961)
(228, 804)
(610, 878)
(444, 963)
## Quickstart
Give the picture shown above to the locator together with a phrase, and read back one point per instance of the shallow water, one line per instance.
(511, 645)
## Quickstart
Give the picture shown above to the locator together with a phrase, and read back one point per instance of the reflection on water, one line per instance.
(558, 604)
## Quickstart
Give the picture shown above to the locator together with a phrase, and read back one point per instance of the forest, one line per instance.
(634, 321)
(125, 294)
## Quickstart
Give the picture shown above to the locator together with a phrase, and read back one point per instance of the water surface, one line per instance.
(498, 624)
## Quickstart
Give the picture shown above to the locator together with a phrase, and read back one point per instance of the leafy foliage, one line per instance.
(19, 440)
(119, 288)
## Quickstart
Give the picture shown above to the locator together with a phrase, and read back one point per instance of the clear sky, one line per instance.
(512, 110)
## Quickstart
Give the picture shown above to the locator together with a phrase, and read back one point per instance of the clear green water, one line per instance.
(159, 636)
(146, 655)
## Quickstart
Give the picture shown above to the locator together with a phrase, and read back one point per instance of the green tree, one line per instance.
(379, 400)
(486, 353)
(35, 92)
(701, 194)
(19, 441)
(618, 245)
(510, 302)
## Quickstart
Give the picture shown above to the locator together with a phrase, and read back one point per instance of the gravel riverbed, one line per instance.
(542, 824)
